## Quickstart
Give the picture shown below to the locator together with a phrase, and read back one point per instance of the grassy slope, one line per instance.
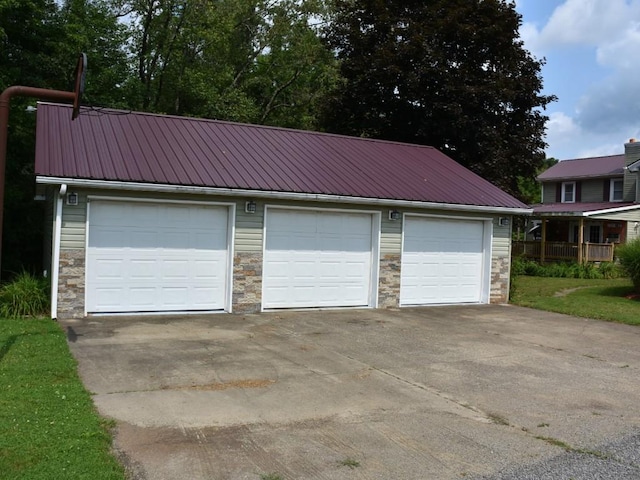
(48, 426)
(599, 299)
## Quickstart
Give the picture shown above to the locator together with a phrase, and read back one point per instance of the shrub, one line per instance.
(610, 270)
(629, 256)
(522, 266)
(24, 296)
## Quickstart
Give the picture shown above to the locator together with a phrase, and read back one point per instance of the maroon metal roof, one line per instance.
(114, 145)
(577, 208)
(610, 166)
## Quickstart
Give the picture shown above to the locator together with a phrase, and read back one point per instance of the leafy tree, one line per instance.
(255, 61)
(529, 188)
(39, 45)
(93, 27)
(448, 73)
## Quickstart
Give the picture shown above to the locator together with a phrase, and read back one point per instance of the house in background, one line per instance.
(588, 206)
(158, 214)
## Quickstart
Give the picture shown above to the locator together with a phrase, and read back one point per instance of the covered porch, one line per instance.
(564, 251)
(587, 233)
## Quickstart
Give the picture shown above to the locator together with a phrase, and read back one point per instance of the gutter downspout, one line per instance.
(55, 257)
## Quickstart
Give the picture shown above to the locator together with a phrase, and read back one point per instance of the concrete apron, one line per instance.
(441, 392)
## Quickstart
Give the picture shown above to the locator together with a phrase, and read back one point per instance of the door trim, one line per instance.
(231, 215)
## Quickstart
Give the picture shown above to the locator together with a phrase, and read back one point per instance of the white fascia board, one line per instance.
(166, 188)
(612, 210)
(634, 167)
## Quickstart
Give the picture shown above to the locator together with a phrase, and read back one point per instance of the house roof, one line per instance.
(610, 166)
(581, 209)
(121, 146)
(634, 167)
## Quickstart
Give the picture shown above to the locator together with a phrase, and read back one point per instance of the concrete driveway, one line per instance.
(425, 393)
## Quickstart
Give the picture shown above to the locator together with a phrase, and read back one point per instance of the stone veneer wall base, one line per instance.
(71, 286)
(389, 283)
(247, 283)
(499, 280)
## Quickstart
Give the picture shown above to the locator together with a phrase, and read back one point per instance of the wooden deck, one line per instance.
(558, 251)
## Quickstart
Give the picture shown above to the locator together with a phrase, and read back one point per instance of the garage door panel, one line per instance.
(164, 258)
(442, 261)
(317, 259)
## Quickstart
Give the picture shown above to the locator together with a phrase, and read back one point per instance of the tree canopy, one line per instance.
(452, 74)
(448, 73)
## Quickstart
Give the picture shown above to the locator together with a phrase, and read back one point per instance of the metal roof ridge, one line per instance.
(241, 124)
(588, 158)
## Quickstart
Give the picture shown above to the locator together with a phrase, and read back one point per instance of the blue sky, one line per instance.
(592, 50)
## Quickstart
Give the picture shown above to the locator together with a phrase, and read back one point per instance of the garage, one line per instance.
(318, 258)
(444, 261)
(157, 257)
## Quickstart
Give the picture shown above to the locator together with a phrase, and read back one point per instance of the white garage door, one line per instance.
(156, 257)
(317, 259)
(442, 261)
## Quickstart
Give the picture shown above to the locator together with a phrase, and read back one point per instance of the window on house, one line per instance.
(568, 192)
(616, 189)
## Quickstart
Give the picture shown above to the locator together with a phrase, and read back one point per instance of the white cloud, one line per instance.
(567, 139)
(622, 52)
(581, 22)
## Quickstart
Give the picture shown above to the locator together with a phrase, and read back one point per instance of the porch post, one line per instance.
(543, 244)
(580, 238)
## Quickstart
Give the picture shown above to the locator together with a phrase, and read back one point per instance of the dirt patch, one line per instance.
(226, 385)
(567, 291)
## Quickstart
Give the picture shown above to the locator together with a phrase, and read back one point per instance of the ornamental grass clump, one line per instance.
(629, 256)
(25, 296)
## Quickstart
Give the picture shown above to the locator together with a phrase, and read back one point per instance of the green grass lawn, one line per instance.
(48, 426)
(599, 299)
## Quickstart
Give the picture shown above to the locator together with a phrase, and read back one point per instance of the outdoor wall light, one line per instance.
(250, 207)
(503, 221)
(72, 199)
(394, 215)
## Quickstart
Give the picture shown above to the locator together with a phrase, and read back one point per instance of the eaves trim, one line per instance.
(167, 188)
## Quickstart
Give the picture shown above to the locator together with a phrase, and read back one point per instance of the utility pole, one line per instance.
(42, 94)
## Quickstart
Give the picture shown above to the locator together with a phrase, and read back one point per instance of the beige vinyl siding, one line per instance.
(390, 235)
(72, 234)
(249, 227)
(593, 190)
(501, 240)
(629, 216)
(549, 192)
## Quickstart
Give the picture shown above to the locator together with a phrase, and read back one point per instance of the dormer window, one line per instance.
(568, 192)
(616, 190)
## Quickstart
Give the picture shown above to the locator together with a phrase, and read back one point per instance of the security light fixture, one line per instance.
(394, 215)
(250, 207)
(72, 199)
(503, 221)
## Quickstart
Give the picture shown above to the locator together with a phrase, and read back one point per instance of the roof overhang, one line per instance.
(167, 188)
(634, 167)
(589, 213)
(581, 177)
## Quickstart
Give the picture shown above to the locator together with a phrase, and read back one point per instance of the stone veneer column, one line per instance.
(389, 282)
(499, 280)
(247, 282)
(71, 284)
